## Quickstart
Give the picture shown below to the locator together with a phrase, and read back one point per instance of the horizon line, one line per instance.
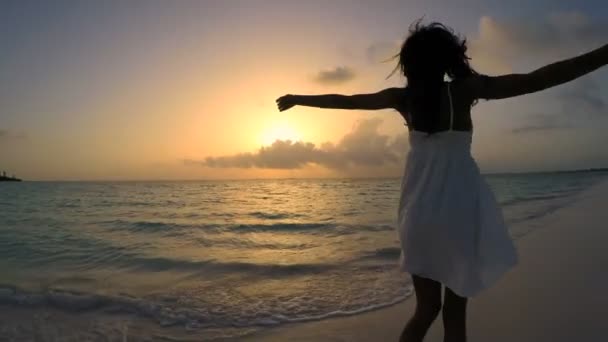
(596, 169)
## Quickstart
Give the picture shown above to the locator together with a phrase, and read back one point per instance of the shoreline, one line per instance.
(555, 293)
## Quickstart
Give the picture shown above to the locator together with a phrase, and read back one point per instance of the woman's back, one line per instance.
(450, 225)
(454, 107)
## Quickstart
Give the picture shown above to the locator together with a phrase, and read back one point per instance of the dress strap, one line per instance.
(451, 107)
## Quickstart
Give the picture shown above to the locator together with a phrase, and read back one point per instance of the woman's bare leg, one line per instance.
(428, 306)
(454, 317)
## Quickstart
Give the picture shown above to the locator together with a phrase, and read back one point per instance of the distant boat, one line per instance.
(5, 178)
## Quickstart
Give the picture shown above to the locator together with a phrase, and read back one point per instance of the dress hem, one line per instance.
(470, 292)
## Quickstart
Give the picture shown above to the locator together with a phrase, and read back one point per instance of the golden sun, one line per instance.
(279, 131)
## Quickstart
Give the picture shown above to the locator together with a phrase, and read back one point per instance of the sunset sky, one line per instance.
(105, 90)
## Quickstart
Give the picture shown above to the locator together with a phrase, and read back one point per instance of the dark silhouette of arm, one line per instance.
(500, 87)
(387, 98)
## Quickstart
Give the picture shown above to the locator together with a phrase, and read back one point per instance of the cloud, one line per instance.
(336, 75)
(499, 45)
(502, 46)
(363, 146)
(10, 135)
(544, 122)
(580, 100)
(282, 154)
(539, 127)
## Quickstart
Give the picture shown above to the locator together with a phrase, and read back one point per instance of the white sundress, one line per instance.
(450, 226)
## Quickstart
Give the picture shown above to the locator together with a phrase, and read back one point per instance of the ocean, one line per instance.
(215, 259)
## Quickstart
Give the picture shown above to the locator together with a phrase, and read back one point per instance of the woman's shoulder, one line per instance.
(396, 96)
(396, 91)
(468, 87)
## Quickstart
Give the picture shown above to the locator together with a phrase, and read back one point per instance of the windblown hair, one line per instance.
(429, 54)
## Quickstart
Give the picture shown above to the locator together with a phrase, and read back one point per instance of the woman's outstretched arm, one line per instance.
(500, 87)
(387, 98)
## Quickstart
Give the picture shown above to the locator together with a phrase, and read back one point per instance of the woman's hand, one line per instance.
(285, 102)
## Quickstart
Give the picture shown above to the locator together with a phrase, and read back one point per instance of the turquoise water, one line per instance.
(224, 258)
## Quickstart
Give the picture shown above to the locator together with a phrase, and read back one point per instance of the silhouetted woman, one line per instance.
(451, 228)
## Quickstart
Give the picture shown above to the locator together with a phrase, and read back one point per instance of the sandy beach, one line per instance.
(556, 293)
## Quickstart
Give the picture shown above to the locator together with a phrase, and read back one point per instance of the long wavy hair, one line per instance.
(429, 54)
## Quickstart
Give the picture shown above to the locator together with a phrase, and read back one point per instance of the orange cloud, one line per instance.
(363, 146)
